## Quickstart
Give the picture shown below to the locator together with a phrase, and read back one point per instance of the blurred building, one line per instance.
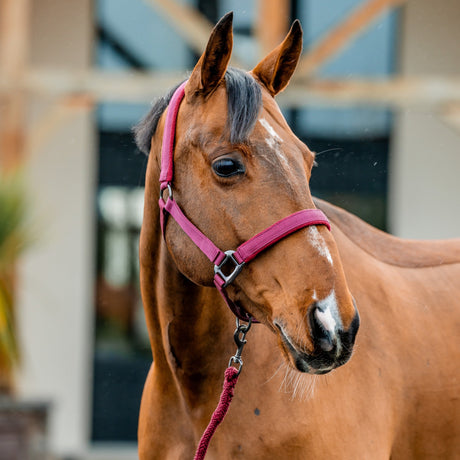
(386, 128)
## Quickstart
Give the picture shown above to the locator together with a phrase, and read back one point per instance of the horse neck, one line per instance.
(190, 328)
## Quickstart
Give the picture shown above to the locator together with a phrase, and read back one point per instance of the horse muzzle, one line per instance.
(330, 346)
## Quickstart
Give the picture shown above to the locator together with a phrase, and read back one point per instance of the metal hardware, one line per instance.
(240, 339)
(229, 257)
(170, 193)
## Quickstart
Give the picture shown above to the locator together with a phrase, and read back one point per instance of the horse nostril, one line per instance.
(326, 344)
(322, 333)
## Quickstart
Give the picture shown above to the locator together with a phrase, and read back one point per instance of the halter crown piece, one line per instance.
(231, 262)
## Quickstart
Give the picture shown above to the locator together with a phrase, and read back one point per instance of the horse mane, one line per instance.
(390, 249)
(244, 99)
(145, 129)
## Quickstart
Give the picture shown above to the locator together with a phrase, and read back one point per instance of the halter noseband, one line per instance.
(246, 251)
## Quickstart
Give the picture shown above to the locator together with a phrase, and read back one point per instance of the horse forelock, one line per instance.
(244, 100)
(244, 97)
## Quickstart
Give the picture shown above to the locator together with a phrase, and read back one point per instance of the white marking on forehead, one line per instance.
(274, 135)
(317, 241)
(327, 313)
(273, 141)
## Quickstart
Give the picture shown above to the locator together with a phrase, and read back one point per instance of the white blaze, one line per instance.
(327, 313)
(317, 241)
(273, 134)
(273, 141)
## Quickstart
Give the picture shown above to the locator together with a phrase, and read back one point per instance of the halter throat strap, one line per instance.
(228, 264)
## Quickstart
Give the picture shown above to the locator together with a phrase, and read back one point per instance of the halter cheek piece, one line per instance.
(231, 262)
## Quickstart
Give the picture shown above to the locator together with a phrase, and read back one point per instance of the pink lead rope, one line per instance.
(228, 264)
(231, 377)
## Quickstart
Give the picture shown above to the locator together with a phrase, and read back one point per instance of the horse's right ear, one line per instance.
(212, 65)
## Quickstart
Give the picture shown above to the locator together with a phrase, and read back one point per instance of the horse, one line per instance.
(320, 380)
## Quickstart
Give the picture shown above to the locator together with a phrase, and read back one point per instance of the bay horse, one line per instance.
(238, 169)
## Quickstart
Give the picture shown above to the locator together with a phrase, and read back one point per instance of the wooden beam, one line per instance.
(342, 34)
(395, 93)
(101, 86)
(14, 25)
(189, 24)
(272, 23)
(399, 92)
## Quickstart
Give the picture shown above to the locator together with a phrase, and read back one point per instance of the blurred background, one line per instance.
(376, 95)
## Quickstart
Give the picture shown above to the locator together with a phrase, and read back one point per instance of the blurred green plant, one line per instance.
(14, 238)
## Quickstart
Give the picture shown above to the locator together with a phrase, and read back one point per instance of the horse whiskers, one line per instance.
(297, 387)
(274, 374)
(315, 163)
(300, 385)
(298, 340)
(334, 149)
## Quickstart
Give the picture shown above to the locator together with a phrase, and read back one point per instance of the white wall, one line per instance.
(56, 276)
(425, 162)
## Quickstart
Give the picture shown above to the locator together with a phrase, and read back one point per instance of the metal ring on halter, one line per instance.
(170, 193)
(237, 267)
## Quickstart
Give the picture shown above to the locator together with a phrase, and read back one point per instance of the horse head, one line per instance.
(238, 168)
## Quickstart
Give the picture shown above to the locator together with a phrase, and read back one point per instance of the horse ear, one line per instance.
(276, 69)
(212, 65)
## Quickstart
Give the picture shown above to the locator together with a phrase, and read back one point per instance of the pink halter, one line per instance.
(246, 251)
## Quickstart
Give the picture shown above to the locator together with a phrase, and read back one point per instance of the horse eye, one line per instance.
(227, 167)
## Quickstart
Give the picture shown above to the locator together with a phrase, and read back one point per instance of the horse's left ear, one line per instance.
(276, 69)
(212, 65)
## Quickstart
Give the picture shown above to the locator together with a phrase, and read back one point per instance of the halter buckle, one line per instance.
(226, 263)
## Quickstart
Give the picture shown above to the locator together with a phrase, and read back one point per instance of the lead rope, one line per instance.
(230, 380)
